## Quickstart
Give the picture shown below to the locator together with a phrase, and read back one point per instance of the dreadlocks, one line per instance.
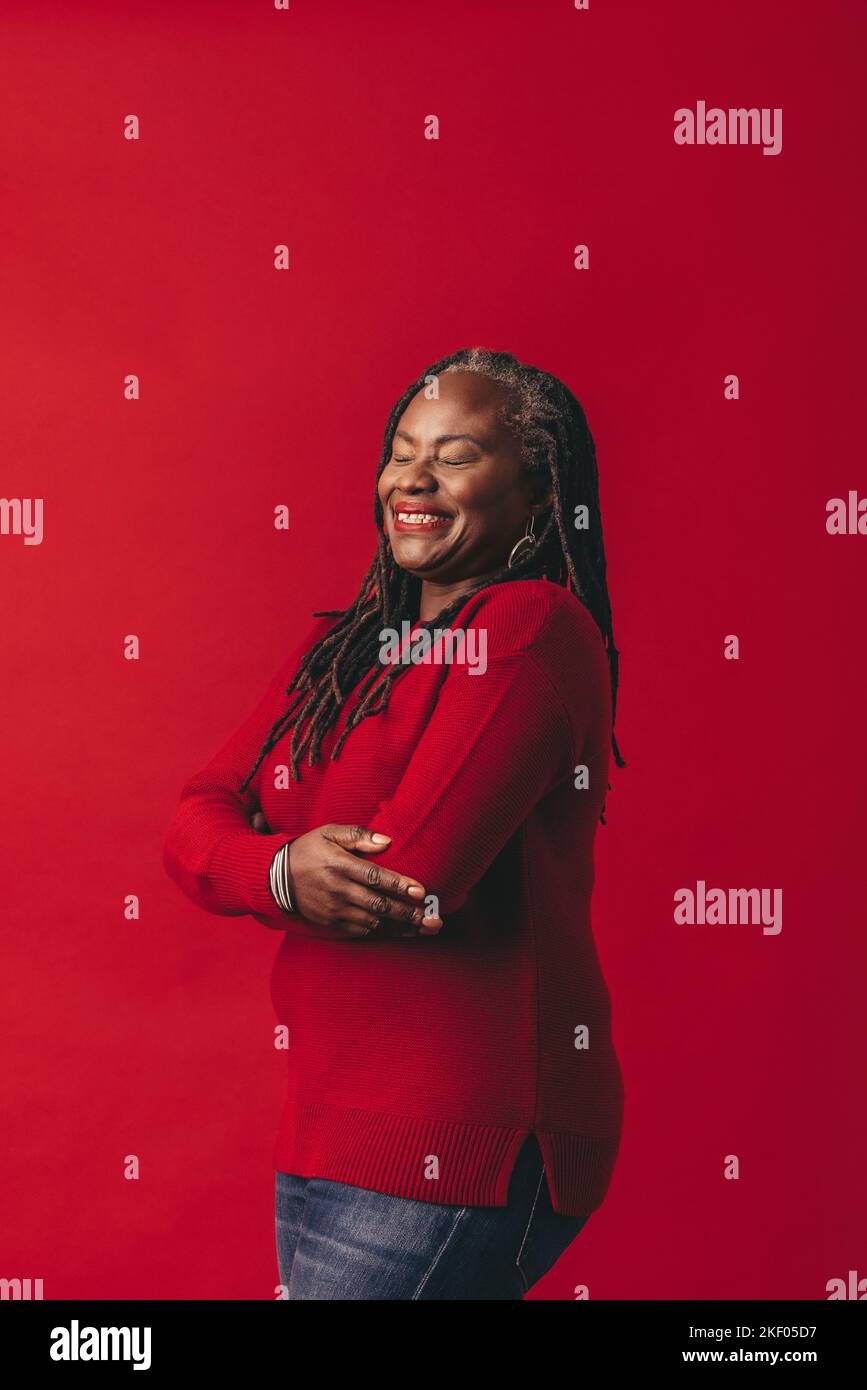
(558, 450)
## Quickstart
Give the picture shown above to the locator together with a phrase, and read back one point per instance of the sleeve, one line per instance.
(497, 742)
(211, 851)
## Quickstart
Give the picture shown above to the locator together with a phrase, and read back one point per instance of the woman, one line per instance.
(454, 1102)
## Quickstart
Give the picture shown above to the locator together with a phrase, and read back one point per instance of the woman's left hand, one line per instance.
(261, 826)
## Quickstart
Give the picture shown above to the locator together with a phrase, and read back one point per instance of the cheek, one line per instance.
(491, 512)
(382, 494)
(388, 481)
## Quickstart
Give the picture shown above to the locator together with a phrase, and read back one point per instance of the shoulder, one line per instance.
(530, 615)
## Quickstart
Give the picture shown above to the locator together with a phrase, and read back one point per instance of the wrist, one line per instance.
(237, 871)
(281, 883)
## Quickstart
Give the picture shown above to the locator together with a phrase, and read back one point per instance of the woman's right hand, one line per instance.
(335, 887)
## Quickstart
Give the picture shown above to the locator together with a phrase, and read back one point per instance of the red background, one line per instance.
(156, 257)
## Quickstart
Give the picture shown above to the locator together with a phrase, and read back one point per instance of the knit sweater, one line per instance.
(418, 1066)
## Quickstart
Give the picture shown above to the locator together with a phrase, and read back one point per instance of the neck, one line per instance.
(435, 597)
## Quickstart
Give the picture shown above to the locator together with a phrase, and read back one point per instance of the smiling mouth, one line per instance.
(420, 521)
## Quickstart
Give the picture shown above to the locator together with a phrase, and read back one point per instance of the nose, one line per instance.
(416, 477)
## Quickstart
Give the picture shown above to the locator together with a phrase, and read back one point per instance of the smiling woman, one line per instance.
(454, 1099)
(471, 489)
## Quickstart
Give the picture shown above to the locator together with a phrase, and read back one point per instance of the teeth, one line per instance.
(418, 518)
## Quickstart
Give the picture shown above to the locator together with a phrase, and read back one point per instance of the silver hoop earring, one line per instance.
(525, 544)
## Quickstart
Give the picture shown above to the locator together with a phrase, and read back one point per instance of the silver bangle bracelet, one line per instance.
(278, 879)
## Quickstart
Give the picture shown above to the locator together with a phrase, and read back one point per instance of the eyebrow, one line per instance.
(443, 438)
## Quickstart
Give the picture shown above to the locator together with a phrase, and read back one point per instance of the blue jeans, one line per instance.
(335, 1241)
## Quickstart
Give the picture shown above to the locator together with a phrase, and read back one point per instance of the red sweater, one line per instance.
(418, 1066)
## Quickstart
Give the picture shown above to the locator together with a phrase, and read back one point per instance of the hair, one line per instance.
(558, 451)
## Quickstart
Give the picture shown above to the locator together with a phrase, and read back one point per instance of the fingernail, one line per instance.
(416, 891)
(380, 839)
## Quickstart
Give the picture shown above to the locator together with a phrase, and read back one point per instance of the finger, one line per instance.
(380, 879)
(383, 906)
(432, 927)
(356, 837)
(359, 924)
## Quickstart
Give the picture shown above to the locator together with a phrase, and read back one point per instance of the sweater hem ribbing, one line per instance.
(394, 1154)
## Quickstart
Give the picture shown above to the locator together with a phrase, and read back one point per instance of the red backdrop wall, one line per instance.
(260, 387)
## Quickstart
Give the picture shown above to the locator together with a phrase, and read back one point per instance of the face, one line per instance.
(458, 468)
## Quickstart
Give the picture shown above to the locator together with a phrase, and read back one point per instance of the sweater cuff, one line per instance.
(238, 872)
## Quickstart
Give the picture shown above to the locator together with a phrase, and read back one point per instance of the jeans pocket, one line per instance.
(548, 1235)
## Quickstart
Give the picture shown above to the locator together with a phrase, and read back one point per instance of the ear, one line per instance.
(541, 498)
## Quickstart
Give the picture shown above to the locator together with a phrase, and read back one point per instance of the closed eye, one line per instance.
(397, 458)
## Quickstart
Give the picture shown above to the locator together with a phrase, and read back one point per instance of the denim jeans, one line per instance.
(335, 1241)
